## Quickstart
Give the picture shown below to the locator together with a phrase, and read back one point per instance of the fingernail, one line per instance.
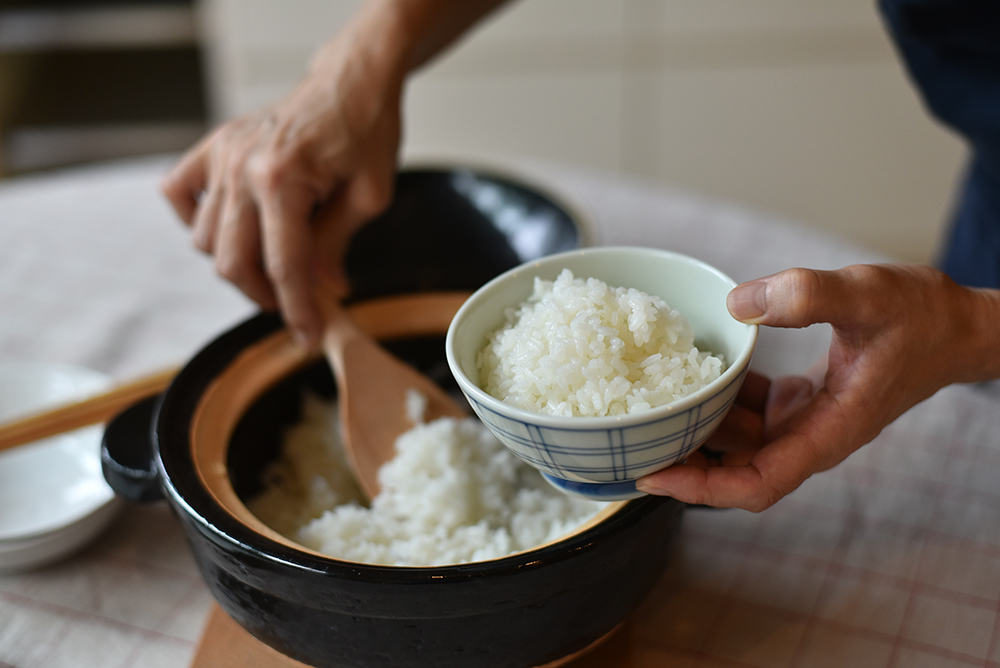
(647, 487)
(748, 302)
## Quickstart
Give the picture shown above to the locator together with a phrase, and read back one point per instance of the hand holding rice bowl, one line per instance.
(601, 457)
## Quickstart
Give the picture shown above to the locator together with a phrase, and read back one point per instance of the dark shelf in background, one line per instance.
(84, 81)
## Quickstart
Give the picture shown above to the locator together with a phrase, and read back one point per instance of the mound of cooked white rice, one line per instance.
(579, 347)
(452, 494)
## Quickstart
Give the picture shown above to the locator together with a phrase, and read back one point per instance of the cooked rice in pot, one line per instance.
(452, 494)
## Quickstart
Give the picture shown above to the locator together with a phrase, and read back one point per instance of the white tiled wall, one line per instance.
(798, 108)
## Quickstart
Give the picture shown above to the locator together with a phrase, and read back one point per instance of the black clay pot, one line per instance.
(455, 229)
(221, 421)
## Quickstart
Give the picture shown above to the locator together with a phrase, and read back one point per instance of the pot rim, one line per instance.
(176, 468)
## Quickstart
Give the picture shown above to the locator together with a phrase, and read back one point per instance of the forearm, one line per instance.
(398, 36)
(430, 26)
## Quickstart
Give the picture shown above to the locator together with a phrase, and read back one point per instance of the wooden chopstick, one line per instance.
(411, 309)
(99, 408)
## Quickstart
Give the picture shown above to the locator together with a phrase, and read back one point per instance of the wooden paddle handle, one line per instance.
(417, 314)
(100, 408)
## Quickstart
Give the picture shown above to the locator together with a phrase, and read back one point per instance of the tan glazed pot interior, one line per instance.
(275, 357)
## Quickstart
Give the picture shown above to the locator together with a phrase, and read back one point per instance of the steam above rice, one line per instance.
(578, 347)
(452, 494)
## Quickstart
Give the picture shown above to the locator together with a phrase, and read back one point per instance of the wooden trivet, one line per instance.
(226, 644)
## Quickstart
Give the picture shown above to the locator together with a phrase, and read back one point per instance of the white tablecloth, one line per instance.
(891, 559)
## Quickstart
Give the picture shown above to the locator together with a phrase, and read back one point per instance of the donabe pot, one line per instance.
(219, 424)
(525, 610)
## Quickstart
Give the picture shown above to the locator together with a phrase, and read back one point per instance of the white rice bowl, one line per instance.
(581, 348)
(452, 494)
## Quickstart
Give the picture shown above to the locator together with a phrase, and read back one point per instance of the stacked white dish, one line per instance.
(53, 497)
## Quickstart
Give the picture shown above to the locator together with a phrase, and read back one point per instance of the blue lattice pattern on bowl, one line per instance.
(596, 450)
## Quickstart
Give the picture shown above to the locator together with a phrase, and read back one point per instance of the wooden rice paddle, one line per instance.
(99, 408)
(373, 386)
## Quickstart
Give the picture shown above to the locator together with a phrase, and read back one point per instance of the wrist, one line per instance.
(983, 328)
(374, 41)
(971, 345)
(412, 32)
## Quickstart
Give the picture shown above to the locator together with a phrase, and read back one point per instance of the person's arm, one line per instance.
(276, 195)
(900, 333)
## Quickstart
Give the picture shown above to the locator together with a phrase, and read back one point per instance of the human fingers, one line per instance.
(884, 317)
(239, 250)
(360, 200)
(749, 424)
(787, 396)
(742, 427)
(184, 184)
(287, 239)
(703, 481)
(744, 478)
(206, 219)
(335, 225)
(757, 481)
(753, 392)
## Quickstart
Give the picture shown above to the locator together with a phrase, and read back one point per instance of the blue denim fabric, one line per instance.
(952, 51)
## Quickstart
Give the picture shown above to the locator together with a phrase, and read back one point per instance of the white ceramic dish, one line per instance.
(602, 457)
(53, 496)
(47, 548)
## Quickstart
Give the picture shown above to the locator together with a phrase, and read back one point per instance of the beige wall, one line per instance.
(798, 108)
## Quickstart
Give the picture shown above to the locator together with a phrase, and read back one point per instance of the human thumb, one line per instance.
(796, 298)
(748, 302)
